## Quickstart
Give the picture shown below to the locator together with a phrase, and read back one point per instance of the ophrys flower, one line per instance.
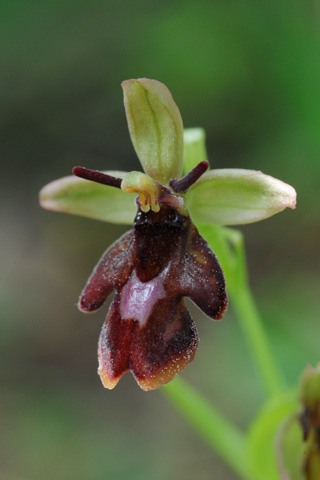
(148, 329)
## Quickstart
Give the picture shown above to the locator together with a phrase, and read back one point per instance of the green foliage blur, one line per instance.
(248, 72)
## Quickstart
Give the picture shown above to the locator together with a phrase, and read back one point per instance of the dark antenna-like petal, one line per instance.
(181, 185)
(96, 176)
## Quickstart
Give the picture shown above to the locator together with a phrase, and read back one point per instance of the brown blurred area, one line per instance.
(249, 73)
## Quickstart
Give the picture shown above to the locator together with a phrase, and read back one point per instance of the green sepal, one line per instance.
(291, 450)
(89, 199)
(263, 435)
(237, 196)
(194, 148)
(310, 389)
(155, 127)
(298, 451)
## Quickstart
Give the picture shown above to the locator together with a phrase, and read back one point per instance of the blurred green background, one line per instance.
(249, 73)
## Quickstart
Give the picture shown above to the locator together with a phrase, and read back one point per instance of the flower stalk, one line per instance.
(246, 310)
(229, 246)
(218, 432)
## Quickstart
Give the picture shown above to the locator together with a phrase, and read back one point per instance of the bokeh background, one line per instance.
(249, 73)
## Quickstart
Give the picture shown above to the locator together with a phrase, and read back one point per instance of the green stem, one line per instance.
(246, 310)
(229, 247)
(216, 430)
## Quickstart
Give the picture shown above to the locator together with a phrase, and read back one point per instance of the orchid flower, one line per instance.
(163, 259)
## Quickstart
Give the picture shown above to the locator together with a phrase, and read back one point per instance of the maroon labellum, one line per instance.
(152, 268)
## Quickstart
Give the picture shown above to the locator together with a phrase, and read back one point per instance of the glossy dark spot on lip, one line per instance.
(167, 216)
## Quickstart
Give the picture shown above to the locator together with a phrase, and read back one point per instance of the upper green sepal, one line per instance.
(237, 196)
(81, 197)
(155, 127)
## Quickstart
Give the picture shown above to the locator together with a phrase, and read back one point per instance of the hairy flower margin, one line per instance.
(163, 259)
